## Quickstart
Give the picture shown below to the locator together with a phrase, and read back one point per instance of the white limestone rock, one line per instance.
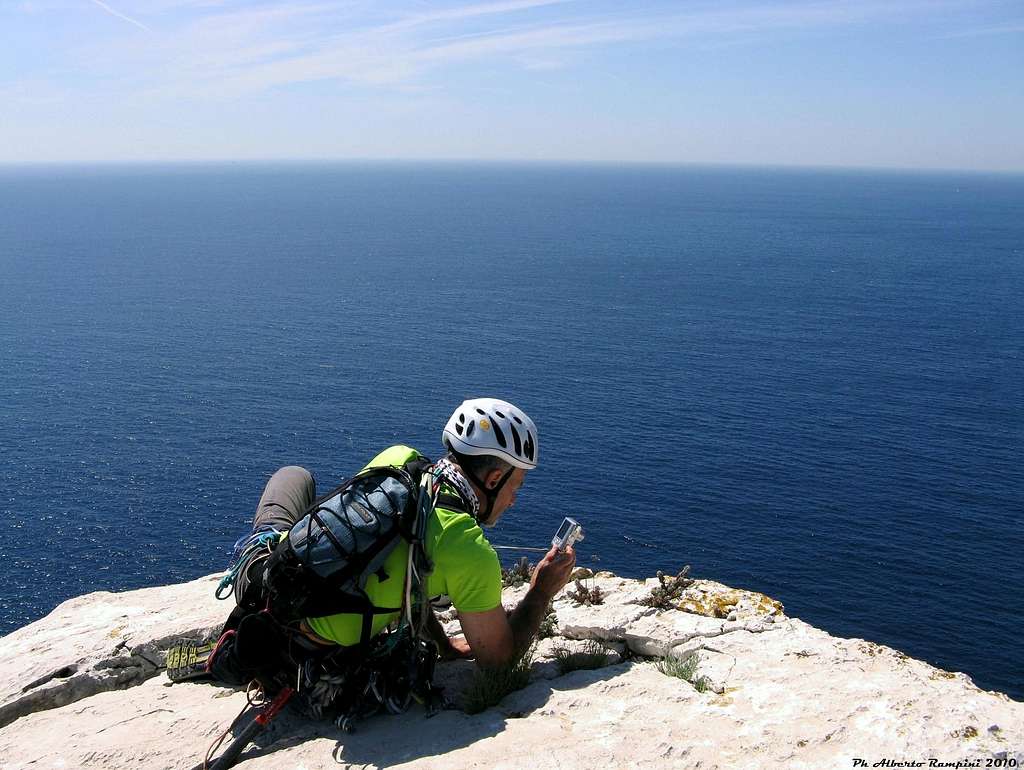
(779, 693)
(101, 641)
(610, 620)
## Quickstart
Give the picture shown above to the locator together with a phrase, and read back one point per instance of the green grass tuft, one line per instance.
(684, 669)
(490, 685)
(593, 655)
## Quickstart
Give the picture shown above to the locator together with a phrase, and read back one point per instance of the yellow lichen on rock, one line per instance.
(869, 648)
(721, 604)
(966, 733)
(769, 606)
(875, 650)
(698, 607)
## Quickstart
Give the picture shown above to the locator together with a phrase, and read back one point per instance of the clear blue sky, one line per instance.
(900, 83)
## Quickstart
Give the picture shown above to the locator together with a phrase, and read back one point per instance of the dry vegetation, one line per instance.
(669, 591)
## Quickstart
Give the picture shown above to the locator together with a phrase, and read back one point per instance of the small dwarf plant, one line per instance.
(548, 626)
(669, 590)
(518, 574)
(586, 596)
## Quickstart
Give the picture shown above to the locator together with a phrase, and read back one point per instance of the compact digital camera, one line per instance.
(567, 534)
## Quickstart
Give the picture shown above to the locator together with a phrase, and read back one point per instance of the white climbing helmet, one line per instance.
(488, 426)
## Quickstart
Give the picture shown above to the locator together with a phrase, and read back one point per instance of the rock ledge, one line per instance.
(766, 691)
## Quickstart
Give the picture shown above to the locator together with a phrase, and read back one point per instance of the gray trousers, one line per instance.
(290, 491)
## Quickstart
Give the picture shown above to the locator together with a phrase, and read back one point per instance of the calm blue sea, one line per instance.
(808, 383)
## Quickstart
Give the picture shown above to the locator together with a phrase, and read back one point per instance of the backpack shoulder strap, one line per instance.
(452, 503)
(416, 466)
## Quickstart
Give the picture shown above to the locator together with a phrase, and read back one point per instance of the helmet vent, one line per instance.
(516, 440)
(499, 414)
(469, 430)
(481, 411)
(498, 434)
(459, 429)
(462, 418)
(528, 447)
(516, 418)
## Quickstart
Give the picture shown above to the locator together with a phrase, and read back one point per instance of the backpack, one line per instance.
(322, 566)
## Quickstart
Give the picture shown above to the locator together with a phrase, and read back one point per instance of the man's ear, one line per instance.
(493, 478)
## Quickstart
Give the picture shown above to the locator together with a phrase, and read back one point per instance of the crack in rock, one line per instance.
(132, 719)
(60, 673)
(83, 679)
(673, 643)
(650, 646)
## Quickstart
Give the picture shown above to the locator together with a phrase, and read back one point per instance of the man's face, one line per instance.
(507, 496)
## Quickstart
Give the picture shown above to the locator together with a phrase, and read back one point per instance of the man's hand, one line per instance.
(552, 573)
(452, 648)
(458, 649)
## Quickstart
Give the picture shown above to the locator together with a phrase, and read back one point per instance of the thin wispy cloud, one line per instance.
(1014, 28)
(397, 51)
(233, 50)
(476, 10)
(121, 16)
(228, 49)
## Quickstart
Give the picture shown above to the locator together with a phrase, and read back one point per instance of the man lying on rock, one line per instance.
(333, 594)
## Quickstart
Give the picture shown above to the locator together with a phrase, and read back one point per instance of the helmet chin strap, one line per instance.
(491, 495)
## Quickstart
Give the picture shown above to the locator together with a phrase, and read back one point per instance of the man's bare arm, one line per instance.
(497, 638)
(526, 619)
